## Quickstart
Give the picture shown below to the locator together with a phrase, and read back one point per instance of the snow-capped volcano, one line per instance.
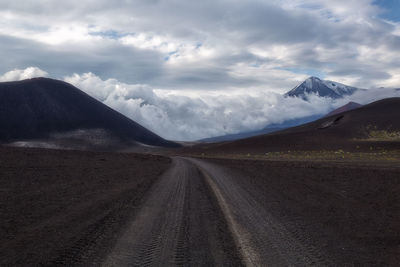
(324, 88)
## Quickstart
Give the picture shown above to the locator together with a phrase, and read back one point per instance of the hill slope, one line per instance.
(349, 106)
(44, 109)
(350, 130)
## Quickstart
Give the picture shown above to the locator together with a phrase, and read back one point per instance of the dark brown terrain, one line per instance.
(62, 206)
(333, 200)
(314, 213)
(112, 209)
(80, 208)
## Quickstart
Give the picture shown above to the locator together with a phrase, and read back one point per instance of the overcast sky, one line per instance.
(211, 58)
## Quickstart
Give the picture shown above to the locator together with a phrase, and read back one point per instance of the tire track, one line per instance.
(151, 239)
(261, 239)
(179, 224)
(88, 250)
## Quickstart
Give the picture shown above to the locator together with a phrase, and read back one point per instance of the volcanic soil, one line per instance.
(338, 213)
(80, 208)
(120, 209)
(62, 207)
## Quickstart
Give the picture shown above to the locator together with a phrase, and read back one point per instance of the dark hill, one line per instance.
(47, 109)
(349, 130)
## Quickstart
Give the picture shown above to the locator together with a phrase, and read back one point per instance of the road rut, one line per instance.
(263, 241)
(179, 224)
(197, 214)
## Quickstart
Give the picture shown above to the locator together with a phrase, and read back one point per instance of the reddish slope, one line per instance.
(349, 106)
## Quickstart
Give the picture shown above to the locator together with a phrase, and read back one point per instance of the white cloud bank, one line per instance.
(175, 116)
(22, 74)
(183, 116)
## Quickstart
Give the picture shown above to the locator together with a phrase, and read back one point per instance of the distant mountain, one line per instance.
(312, 85)
(45, 111)
(323, 88)
(349, 106)
(269, 129)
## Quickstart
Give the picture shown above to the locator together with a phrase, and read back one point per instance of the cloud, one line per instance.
(368, 96)
(191, 115)
(193, 69)
(22, 74)
(174, 115)
(182, 45)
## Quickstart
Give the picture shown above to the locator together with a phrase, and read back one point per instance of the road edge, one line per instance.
(248, 255)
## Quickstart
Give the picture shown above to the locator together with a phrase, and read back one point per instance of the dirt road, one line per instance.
(212, 213)
(309, 213)
(179, 223)
(263, 240)
(197, 215)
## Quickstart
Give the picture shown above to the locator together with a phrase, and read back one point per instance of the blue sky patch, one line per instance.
(391, 9)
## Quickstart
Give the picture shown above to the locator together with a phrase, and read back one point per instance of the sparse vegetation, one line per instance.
(374, 154)
(372, 133)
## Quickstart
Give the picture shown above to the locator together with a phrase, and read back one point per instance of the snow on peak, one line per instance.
(339, 88)
(324, 88)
